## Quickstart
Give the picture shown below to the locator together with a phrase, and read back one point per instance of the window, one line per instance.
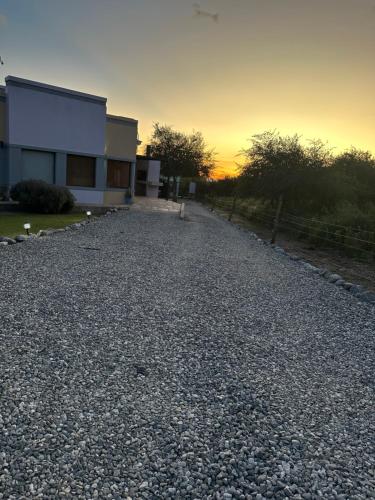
(80, 171)
(38, 165)
(141, 175)
(118, 174)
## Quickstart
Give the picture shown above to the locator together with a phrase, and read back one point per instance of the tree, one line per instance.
(280, 167)
(181, 155)
(283, 171)
(355, 170)
(274, 165)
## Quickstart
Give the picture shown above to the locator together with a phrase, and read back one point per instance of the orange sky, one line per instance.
(304, 66)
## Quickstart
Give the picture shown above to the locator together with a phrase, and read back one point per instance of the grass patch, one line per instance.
(11, 223)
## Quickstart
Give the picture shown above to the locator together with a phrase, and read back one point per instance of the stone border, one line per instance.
(6, 241)
(358, 291)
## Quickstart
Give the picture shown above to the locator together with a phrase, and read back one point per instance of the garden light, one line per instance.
(88, 213)
(27, 226)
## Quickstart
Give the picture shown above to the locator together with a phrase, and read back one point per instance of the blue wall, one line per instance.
(3, 169)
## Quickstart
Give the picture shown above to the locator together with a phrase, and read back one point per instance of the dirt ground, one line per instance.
(352, 270)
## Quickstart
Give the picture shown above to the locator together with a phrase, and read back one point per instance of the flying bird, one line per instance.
(203, 13)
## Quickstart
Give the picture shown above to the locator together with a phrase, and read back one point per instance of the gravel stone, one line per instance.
(310, 267)
(278, 249)
(20, 238)
(347, 285)
(294, 257)
(368, 297)
(181, 360)
(333, 278)
(357, 290)
(340, 282)
(10, 241)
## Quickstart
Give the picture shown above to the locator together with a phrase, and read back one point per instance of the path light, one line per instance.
(88, 213)
(27, 226)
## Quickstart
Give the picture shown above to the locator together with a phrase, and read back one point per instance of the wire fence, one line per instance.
(351, 241)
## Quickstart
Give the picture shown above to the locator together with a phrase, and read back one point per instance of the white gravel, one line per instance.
(144, 356)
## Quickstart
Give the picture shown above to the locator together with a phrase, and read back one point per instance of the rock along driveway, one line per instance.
(148, 357)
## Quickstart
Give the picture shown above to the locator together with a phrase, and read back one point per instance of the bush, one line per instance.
(39, 196)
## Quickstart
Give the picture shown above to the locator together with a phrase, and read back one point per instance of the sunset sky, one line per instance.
(305, 66)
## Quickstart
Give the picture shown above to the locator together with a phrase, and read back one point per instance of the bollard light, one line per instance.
(27, 226)
(88, 213)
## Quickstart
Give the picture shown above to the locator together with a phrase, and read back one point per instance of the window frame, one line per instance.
(110, 183)
(70, 174)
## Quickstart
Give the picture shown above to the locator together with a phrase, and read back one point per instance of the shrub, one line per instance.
(39, 196)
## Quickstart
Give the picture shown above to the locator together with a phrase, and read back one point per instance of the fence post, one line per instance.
(233, 208)
(277, 218)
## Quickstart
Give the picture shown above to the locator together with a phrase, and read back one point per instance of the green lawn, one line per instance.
(11, 223)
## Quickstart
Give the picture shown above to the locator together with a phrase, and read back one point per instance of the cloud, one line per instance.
(3, 20)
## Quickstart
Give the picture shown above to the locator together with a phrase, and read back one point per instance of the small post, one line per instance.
(182, 211)
(88, 213)
(277, 219)
(27, 226)
(233, 208)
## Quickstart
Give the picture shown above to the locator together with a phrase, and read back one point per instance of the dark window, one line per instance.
(38, 165)
(118, 174)
(141, 175)
(80, 171)
(140, 189)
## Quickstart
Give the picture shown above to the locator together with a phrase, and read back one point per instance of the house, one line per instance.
(65, 137)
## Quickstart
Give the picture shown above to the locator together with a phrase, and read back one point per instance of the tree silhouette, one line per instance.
(181, 155)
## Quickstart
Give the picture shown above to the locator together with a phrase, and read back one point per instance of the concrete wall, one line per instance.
(2, 119)
(98, 197)
(114, 197)
(88, 196)
(153, 175)
(121, 138)
(47, 117)
(3, 170)
(3, 154)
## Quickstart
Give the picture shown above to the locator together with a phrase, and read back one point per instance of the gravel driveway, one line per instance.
(148, 357)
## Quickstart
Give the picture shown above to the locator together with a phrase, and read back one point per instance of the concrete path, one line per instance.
(155, 204)
(146, 356)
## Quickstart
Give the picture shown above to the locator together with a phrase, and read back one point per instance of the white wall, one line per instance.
(88, 196)
(2, 119)
(153, 171)
(153, 176)
(45, 118)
